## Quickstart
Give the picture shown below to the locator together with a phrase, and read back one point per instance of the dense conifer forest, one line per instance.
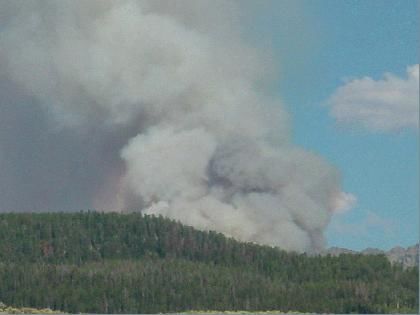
(128, 263)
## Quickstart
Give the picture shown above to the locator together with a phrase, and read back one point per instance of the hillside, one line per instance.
(113, 263)
(407, 257)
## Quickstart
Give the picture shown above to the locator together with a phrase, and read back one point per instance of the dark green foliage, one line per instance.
(113, 263)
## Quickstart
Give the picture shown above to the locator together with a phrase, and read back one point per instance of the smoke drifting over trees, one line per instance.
(152, 106)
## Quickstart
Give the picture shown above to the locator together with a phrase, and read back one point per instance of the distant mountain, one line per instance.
(407, 257)
(337, 251)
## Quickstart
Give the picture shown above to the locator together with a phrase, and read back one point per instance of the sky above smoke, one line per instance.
(158, 107)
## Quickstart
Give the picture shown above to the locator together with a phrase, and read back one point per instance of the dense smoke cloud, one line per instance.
(152, 106)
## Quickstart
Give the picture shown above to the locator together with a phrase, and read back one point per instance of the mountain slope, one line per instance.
(407, 257)
(113, 263)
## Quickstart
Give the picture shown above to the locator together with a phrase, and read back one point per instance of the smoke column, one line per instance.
(152, 106)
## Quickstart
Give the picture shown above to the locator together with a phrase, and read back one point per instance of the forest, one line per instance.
(93, 262)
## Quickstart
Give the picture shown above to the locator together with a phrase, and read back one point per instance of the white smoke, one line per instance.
(200, 141)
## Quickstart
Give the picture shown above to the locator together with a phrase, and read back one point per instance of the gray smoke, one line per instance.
(152, 106)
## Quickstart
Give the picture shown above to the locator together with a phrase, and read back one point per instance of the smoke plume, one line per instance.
(152, 106)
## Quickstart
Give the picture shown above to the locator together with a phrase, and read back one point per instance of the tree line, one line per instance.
(94, 262)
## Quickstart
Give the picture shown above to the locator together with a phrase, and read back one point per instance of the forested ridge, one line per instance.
(130, 263)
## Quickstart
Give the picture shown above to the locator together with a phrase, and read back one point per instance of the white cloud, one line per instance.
(389, 104)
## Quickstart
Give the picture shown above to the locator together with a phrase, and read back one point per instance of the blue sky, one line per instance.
(318, 47)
